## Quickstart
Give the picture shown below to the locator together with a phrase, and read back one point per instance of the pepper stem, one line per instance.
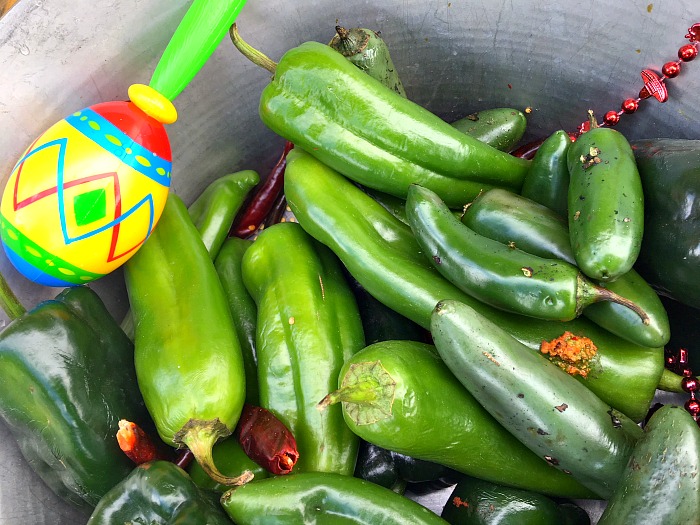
(670, 382)
(589, 293)
(256, 57)
(592, 122)
(200, 436)
(367, 393)
(9, 301)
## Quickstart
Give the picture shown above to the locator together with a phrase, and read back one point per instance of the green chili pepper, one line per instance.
(188, 358)
(660, 484)
(67, 373)
(368, 51)
(243, 310)
(500, 128)
(324, 104)
(547, 182)
(477, 502)
(231, 460)
(158, 493)
(605, 204)
(669, 259)
(550, 412)
(497, 274)
(216, 207)
(400, 396)
(308, 325)
(383, 255)
(322, 498)
(516, 220)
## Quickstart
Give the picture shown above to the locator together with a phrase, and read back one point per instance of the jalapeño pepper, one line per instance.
(308, 325)
(188, 358)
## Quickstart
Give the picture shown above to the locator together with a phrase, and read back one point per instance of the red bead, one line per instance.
(687, 372)
(671, 69)
(693, 407)
(687, 52)
(694, 33)
(689, 384)
(611, 118)
(631, 105)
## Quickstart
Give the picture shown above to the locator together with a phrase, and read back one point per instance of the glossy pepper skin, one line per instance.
(550, 412)
(399, 395)
(383, 255)
(243, 310)
(231, 460)
(324, 499)
(516, 220)
(660, 485)
(605, 204)
(188, 357)
(308, 325)
(477, 502)
(68, 377)
(669, 259)
(500, 128)
(158, 493)
(376, 465)
(547, 182)
(324, 104)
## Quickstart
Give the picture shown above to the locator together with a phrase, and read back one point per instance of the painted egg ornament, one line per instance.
(90, 190)
(87, 193)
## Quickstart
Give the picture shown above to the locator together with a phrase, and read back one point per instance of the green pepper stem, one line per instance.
(9, 301)
(589, 293)
(364, 393)
(670, 382)
(256, 57)
(200, 437)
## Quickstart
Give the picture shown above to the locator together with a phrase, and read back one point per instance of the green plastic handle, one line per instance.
(202, 28)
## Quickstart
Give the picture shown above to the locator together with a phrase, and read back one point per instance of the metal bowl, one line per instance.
(557, 58)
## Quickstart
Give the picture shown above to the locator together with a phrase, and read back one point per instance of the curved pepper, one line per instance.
(550, 412)
(308, 325)
(399, 395)
(518, 221)
(67, 374)
(231, 460)
(158, 493)
(383, 255)
(323, 499)
(321, 102)
(547, 182)
(500, 128)
(188, 358)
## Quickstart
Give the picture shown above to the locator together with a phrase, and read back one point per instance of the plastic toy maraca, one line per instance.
(88, 192)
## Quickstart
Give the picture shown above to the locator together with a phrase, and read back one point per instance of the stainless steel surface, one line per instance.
(455, 57)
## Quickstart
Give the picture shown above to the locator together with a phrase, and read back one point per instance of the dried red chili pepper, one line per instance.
(266, 440)
(263, 200)
(136, 444)
(527, 151)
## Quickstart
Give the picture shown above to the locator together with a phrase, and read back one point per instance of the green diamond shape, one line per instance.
(90, 206)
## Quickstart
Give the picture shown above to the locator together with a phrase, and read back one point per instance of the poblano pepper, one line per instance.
(159, 493)
(68, 376)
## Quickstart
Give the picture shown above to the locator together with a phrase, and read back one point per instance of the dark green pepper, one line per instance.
(214, 210)
(547, 182)
(308, 325)
(68, 377)
(669, 259)
(321, 102)
(158, 493)
(518, 221)
(323, 499)
(550, 412)
(660, 485)
(500, 128)
(188, 358)
(243, 310)
(497, 274)
(399, 395)
(383, 255)
(377, 465)
(605, 204)
(477, 502)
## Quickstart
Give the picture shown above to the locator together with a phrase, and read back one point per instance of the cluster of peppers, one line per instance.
(349, 349)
